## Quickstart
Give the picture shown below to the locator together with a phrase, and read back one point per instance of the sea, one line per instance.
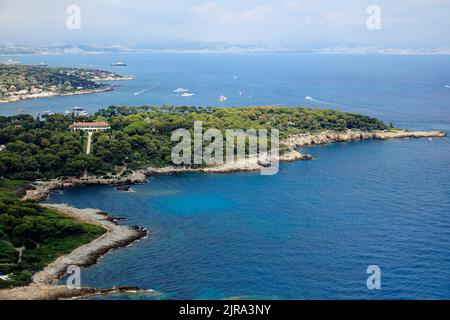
(309, 232)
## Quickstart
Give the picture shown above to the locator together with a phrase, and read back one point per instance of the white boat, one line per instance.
(83, 113)
(119, 64)
(180, 90)
(186, 94)
(78, 108)
(222, 98)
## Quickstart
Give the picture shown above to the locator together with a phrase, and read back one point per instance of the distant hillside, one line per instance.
(24, 81)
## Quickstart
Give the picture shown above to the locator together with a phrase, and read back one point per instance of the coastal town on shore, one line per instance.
(21, 82)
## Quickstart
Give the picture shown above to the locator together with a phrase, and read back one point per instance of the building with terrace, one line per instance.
(90, 126)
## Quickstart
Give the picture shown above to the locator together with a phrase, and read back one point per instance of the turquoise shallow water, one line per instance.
(309, 232)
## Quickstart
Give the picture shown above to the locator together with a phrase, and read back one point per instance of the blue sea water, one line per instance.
(309, 232)
(409, 90)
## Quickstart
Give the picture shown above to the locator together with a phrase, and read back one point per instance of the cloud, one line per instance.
(219, 14)
(256, 14)
(301, 6)
(293, 22)
(339, 19)
(207, 8)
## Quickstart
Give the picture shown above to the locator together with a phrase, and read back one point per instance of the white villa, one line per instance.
(90, 126)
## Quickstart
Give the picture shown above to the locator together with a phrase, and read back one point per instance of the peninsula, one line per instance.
(19, 82)
(39, 157)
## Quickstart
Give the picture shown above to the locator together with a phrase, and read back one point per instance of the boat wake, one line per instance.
(319, 101)
(140, 92)
(447, 86)
(328, 103)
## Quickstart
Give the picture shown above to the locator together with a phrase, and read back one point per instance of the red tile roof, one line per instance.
(90, 124)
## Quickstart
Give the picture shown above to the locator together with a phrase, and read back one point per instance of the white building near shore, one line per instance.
(90, 126)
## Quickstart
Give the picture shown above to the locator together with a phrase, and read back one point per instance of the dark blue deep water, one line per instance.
(309, 232)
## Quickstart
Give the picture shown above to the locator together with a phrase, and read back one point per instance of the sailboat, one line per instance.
(222, 98)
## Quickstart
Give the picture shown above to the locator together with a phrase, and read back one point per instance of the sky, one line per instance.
(293, 23)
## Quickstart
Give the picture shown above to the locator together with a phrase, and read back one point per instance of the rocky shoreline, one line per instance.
(242, 165)
(112, 78)
(44, 284)
(353, 135)
(52, 94)
(298, 141)
(41, 191)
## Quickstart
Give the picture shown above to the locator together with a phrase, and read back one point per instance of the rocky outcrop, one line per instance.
(51, 292)
(41, 190)
(44, 284)
(293, 142)
(252, 163)
(116, 236)
(304, 140)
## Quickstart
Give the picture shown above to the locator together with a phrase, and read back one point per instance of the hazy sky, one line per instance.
(287, 22)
